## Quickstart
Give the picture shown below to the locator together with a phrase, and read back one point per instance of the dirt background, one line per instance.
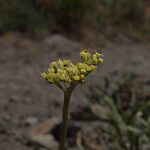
(26, 98)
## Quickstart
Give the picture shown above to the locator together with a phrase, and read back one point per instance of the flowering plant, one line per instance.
(66, 75)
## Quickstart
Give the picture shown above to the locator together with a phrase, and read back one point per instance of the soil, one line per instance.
(24, 94)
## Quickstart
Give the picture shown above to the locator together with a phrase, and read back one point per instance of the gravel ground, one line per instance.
(24, 95)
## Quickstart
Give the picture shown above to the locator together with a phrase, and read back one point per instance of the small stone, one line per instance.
(40, 134)
(31, 121)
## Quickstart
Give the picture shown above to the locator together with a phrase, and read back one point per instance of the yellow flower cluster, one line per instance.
(66, 71)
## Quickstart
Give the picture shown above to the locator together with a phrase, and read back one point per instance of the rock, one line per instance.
(61, 43)
(40, 134)
(31, 121)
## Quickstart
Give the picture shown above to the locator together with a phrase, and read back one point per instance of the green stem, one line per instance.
(67, 96)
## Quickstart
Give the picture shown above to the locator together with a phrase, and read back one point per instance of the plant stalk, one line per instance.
(64, 120)
(67, 96)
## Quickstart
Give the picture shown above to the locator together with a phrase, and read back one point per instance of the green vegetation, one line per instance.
(124, 108)
(75, 15)
(19, 15)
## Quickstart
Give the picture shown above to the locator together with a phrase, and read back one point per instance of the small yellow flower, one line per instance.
(44, 75)
(85, 56)
(76, 77)
(82, 77)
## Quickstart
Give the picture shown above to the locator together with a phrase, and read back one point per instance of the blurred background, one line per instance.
(111, 111)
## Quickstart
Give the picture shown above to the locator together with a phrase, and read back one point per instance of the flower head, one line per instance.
(66, 71)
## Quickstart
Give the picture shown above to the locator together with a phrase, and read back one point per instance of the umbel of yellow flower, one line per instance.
(66, 71)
